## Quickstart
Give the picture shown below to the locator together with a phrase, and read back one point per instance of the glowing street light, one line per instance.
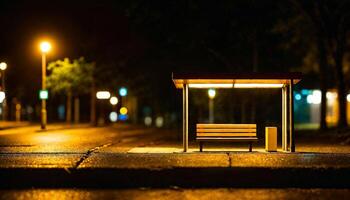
(113, 101)
(3, 67)
(45, 47)
(211, 95)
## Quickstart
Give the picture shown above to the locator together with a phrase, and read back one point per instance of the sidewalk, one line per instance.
(10, 127)
(12, 124)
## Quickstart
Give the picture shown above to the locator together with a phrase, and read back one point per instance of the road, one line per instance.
(66, 146)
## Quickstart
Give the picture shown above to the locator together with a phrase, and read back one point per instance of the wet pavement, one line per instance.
(121, 146)
(95, 157)
(176, 193)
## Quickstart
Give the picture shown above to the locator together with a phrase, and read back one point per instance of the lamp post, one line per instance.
(3, 67)
(211, 95)
(45, 48)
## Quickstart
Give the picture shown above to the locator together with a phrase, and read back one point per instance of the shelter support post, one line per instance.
(185, 117)
(284, 118)
(291, 117)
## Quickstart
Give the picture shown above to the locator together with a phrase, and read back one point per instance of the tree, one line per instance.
(61, 81)
(321, 27)
(304, 38)
(83, 83)
(71, 78)
(331, 20)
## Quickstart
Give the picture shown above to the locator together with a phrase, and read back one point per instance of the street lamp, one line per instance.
(45, 47)
(211, 95)
(3, 67)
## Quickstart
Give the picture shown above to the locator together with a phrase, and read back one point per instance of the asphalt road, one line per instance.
(67, 146)
(71, 139)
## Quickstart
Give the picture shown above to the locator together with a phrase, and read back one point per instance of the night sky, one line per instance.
(140, 43)
(90, 30)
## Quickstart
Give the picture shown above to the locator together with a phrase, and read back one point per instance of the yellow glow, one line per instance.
(3, 66)
(45, 47)
(211, 93)
(103, 95)
(237, 85)
(113, 100)
(51, 138)
(123, 110)
(257, 85)
(210, 85)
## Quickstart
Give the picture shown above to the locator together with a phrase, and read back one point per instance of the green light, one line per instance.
(43, 94)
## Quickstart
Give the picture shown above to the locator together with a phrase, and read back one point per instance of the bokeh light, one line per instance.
(123, 91)
(3, 66)
(103, 95)
(113, 100)
(113, 116)
(159, 122)
(148, 121)
(123, 110)
(2, 96)
(123, 117)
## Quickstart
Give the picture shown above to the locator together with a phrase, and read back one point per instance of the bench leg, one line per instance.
(250, 146)
(200, 146)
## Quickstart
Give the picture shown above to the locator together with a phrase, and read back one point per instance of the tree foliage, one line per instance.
(75, 76)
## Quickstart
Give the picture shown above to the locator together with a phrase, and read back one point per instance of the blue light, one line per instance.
(123, 117)
(305, 92)
(297, 97)
(123, 91)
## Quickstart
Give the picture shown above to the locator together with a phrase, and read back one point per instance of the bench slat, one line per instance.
(226, 134)
(238, 130)
(228, 138)
(218, 126)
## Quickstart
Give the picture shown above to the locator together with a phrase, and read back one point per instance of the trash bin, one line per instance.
(271, 139)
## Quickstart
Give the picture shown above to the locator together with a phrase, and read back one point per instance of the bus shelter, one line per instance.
(284, 81)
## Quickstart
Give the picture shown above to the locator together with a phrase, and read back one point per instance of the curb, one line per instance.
(239, 177)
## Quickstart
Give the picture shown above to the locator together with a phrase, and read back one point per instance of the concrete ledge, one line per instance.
(214, 159)
(99, 170)
(182, 177)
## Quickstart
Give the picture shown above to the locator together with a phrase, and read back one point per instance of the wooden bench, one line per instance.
(226, 132)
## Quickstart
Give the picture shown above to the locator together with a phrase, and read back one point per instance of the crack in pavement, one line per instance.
(88, 154)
